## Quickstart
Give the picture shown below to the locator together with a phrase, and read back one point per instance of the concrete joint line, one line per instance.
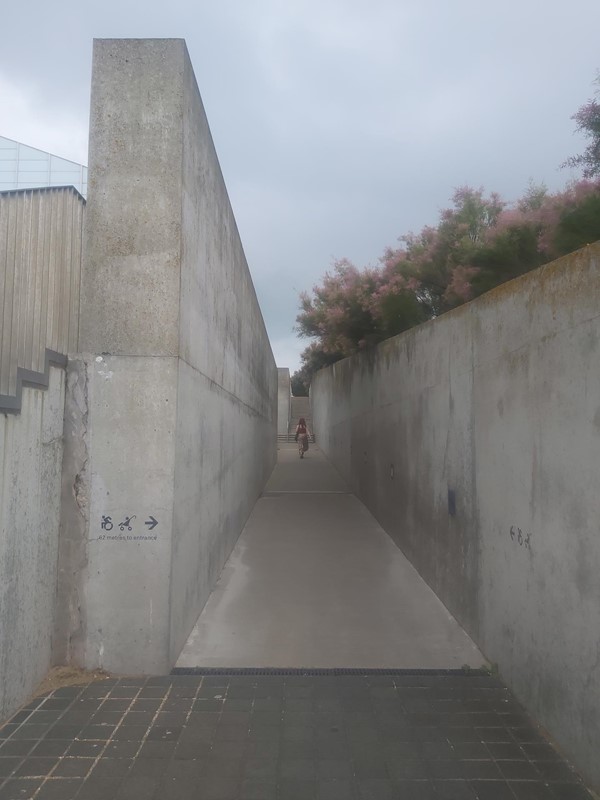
(222, 390)
(304, 491)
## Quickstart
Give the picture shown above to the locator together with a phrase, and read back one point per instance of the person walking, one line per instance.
(302, 434)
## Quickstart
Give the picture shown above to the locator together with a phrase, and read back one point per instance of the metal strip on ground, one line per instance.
(332, 671)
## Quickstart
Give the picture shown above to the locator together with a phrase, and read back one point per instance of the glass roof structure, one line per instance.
(24, 167)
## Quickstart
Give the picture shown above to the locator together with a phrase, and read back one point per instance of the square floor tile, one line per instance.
(69, 767)
(99, 789)
(376, 789)
(531, 790)
(217, 789)
(111, 768)
(260, 768)
(59, 789)
(290, 789)
(33, 767)
(336, 789)
(569, 791)
(257, 790)
(19, 788)
(518, 770)
(8, 765)
(492, 790)
(334, 768)
(15, 747)
(453, 790)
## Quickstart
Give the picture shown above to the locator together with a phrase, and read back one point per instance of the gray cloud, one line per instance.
(339, 125)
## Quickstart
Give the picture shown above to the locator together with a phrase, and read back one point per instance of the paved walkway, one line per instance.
(314, 581)
(373, 737)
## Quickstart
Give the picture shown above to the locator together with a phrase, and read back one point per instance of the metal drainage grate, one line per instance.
(334, 671)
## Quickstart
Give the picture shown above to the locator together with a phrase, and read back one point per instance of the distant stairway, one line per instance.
(300, 408)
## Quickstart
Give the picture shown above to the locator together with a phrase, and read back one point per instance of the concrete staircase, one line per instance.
(300, 408)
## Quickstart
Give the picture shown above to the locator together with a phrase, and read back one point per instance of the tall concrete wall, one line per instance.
(40, 252)
(31, 450)
(475, 441)
(284, 397)
(174, 395)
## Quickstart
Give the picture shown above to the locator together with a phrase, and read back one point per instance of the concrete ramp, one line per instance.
(314, 581)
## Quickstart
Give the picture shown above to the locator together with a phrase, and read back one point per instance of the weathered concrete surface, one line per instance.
(71, 624)
(181, 381)
(31, 452)
(315, 582)
(475, 441)
(284, 396)
(227, 393)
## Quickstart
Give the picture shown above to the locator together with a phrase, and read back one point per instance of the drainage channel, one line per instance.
(333, 671)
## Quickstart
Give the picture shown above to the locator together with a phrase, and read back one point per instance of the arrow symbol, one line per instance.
(151, 523)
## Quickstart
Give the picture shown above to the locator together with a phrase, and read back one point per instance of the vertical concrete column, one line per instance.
(129, 333)
(284, 396)
(176, 398)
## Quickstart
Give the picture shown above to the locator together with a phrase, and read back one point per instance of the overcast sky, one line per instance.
(339, 124)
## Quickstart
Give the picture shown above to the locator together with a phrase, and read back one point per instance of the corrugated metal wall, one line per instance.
(40, 267)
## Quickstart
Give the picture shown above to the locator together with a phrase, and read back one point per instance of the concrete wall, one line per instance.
(31, 451)
(284, 397)
(174, 394)
(40, 252)
(475, 441)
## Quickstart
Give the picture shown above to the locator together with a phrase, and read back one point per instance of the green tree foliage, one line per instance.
(439, 261)
(511, 252)
(588, 123)
(314, 358)
(300, 386)
(579, 221)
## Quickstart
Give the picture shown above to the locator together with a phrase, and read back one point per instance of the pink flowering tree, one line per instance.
(438, 262)
(479, 243)
(354, 308)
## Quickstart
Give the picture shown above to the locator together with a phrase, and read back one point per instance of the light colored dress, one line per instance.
(302, 434)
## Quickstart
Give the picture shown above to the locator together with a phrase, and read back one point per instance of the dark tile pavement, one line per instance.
(281, 737)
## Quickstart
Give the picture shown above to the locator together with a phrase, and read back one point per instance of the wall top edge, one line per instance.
(591, 250)
(44, 190)
(126, 39)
